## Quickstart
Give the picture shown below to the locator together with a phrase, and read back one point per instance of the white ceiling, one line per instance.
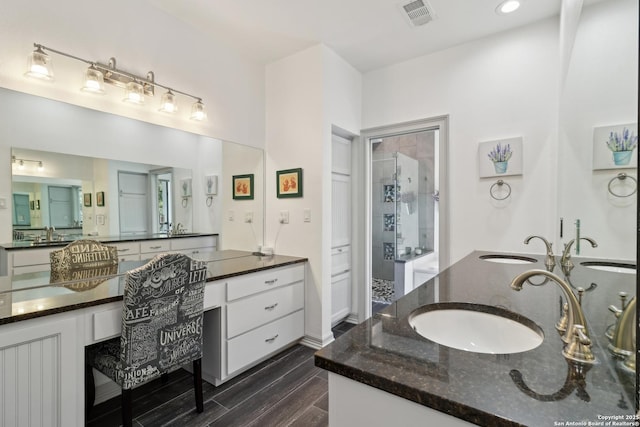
(369, 34)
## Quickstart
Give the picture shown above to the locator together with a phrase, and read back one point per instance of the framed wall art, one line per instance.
(500, 157)
(100, 198)
(289, 183)
(614, 146)
(242, 187)
(87, 200)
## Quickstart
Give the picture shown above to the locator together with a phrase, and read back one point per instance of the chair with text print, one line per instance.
(161, 329)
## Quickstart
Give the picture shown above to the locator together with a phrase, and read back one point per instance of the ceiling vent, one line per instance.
(417, 12)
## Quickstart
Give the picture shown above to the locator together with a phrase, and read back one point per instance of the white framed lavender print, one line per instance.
(614, 146)
(501, 157)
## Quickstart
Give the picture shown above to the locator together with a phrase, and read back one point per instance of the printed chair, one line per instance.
(161, 329)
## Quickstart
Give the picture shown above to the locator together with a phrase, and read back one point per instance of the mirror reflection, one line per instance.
(68, 192)
(90, 173)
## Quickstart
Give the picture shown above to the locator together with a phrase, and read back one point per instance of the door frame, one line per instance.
(363, 204)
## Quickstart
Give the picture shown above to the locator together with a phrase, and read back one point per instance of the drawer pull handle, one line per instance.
(270, 282)
(123, 250)
(272, 339)
(195, 252)
(271, 307)
(155, 247)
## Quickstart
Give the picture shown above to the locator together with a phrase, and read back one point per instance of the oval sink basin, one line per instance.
(612, 267)
(508, 259)
(476, 328)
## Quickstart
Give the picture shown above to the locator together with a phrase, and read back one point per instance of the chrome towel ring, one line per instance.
(496, 185)
(622, 177)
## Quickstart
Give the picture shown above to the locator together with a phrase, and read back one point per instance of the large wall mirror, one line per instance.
(84, 196)
(93, 173)
(600, 95)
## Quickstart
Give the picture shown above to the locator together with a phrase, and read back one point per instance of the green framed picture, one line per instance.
(289, 183)
(242, 187)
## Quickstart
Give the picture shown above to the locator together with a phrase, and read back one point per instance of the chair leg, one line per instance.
(89, 390)
(197, 384)
(127, 410)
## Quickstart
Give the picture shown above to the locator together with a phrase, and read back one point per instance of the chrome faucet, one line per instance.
(623, 340)
(49, 231)
(550, 262)
(566, 254)
(576, 336)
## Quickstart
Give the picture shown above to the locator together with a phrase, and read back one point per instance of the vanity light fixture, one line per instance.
(39, 65)
(97, 74)
(21, 162)
(197, 111)
(507, 7)
(134, 93)
(93, 80)
(168, 102)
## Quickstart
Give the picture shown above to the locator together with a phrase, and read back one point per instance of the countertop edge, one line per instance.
(79, 306)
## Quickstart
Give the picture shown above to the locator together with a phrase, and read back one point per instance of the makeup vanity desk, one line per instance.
(44, 328)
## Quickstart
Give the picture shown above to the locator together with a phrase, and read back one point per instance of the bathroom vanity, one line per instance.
(382, 370)
(254, 307)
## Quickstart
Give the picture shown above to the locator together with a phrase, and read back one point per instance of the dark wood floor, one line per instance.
(285, 390)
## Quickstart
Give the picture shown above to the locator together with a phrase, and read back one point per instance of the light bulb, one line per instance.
(168, 103)
(93, 80)
(197, 111)
(39, 65)
(134, 93)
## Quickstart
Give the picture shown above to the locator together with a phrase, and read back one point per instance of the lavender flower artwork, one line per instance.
(500, 157)
(622, 145)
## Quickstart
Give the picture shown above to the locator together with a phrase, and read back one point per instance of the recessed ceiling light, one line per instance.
(507, 6)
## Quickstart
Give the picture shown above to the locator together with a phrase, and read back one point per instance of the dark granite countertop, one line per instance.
(30, 295)
(532, 388)
(29, 244)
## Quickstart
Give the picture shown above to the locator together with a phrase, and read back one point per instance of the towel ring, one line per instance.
(622, 176)
(500, 183)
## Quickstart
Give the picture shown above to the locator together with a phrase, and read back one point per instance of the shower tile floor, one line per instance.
(382, 290)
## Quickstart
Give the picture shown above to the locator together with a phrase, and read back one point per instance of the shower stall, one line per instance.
(403, 209)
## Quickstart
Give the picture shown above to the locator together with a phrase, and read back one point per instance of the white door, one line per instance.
(134, 202)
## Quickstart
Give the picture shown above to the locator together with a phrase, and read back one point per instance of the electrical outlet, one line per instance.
(231, 215)
(248, 217)
(307, 215)
(284, 217)
(3, 203)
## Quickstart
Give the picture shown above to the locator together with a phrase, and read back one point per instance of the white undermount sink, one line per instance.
(476, 328)
(508, 259)
(612, 267)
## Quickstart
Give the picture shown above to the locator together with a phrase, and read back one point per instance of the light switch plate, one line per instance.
(284, 217)
(307, 215)
(3, 203)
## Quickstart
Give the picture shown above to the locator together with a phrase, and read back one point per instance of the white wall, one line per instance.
(306, 94)
(497, 87)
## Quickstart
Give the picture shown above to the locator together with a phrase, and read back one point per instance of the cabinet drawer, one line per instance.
(249, 313)
(258, 343)
(153, 246)
(340, 260)
(181, 243)
(107, 324)
(132, 248)
(249, 284)
(31, 257)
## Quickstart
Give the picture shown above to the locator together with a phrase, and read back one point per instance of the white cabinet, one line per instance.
(262, 313)
(196, 247)
(39, 372)
(341, 289)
